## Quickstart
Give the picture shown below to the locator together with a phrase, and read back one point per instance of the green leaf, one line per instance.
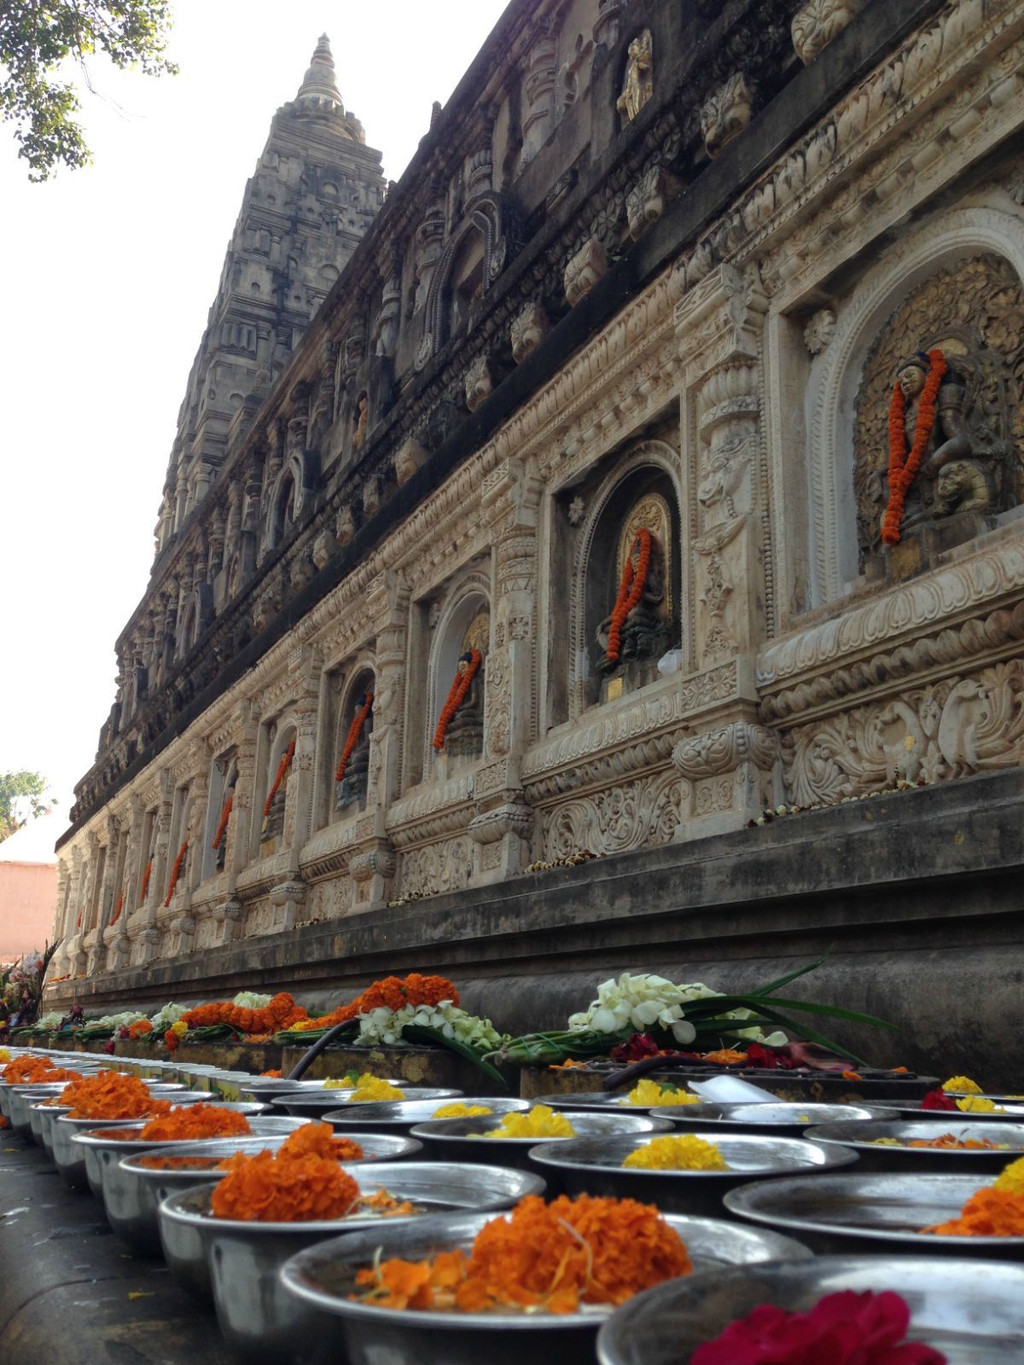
(790, 976)
(812, 1036)
(417, 1033)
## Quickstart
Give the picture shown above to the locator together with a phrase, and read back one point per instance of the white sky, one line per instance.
(109, 274)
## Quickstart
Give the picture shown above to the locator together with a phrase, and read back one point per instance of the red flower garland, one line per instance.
(457, 693)
(282, 768)
(175, 871)
(354, 731)
(117, 908)
(903, 466)
(145, 882)
(631, 589)
(223, 822)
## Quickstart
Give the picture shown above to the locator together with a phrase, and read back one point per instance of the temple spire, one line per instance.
(318, 87)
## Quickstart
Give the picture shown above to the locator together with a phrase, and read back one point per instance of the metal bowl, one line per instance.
(241, 1261)
(469, 1140)
(603, 1100)
(880, 1214)
(594, 1166)
(1013, 1113)
(70, 1160)
(364, 1334)
(862, 1138)
(400, 1116)
(774, 1120)
(317, 1103)
(19, 1097)
(133, 1191)
(99, 1152)
(45, 1114)
(971, 1318)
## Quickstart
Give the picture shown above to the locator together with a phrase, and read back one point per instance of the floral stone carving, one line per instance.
(726, 113)
(818, 22)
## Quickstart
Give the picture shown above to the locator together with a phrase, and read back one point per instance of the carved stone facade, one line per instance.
(581, 379)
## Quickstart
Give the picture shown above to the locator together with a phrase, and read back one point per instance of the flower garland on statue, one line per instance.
(354, 731)
(631, 589)
(176, 873)
(282, 768)
(903, 466)
(457, 693)
(222, 823)
(145, 882)
(117, 908)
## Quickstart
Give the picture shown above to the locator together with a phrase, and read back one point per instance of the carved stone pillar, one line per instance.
(149, 937)
(87, 894)
(240, 828)
(107, 896)
(501, 826)
(729, 762)
(538, 93)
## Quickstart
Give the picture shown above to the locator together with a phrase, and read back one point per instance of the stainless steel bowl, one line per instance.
(99, 1153)
(133, 1191)
(257, 1317)
(775, 1120)
(594, 1166)
(400, 1116)
(863, 1138)
(70, 1160)
(19, 1097)
(603, 1100)
(42, 1115)
(469, 1140)
(318, 1103)
(363, 1334)
(1013, 1112)
(880, 1214)
(972, 1318)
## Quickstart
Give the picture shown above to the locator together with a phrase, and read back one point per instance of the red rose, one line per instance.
(937, 1099)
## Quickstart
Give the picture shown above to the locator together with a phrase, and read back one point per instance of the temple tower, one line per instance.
(314, 193)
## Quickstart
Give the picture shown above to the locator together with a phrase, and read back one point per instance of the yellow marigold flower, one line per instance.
(682, 1153)
(647, 1093)
(1012, 1178)
(180, 1028)
(373, 1088)
(461, 1111)
(5, 1056)
(962, 1083)
(974, 1104)
(539, 1122)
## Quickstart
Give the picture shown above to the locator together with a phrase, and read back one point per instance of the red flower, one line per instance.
(841, 1329)
(937, 1099)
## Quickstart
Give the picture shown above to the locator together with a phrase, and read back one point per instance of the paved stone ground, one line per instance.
(71, 1293)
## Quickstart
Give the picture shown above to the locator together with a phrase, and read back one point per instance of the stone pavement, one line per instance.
(71, 1293)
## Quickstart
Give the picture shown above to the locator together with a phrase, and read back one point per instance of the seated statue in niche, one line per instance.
(460, 727)
(944, 456)
(274, 806)
(352, 773)
(638, 627)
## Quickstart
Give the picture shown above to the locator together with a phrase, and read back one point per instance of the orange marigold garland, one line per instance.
(281, 1013)
(903, 465)
(145, 882)
(282, 768)
(175, 873)
(118, 908)
(392, 992)
(354, 731)
(631, 589)
(457, 694)
(222, 823)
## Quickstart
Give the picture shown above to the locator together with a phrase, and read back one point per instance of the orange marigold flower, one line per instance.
(195, 1121)
(725, 1056)
(111, 1095)
(987, 1213)
(35, 1070)
(302, 1189)
(317, 1139)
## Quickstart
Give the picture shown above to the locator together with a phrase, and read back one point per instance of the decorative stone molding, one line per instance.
(479, 383)
(325, 545)
(371, 498)
(729, 771)
(719, 751)
(436, 868)
(618, 819)
(345, 526)
(410, 456)
(646, 201)
(492, 825)
(589, 265)
(820, 330)
(726, 113)
(816, 23)
(374, 862)
(529, 328)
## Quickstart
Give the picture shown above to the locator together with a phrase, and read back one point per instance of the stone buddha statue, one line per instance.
(645, 633)
(352, 787)
(465, 734)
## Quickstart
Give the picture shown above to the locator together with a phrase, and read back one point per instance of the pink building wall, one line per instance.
(28, 898)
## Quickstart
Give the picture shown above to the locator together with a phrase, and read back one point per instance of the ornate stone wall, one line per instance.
(732, 349)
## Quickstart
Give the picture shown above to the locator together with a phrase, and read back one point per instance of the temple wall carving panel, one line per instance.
(656, 597)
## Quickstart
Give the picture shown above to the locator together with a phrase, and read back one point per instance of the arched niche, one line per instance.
(640, 494)
(470, 261)
(347, 797)
(282, 512)
(955, 281)
(463, 625)
(223, 780)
